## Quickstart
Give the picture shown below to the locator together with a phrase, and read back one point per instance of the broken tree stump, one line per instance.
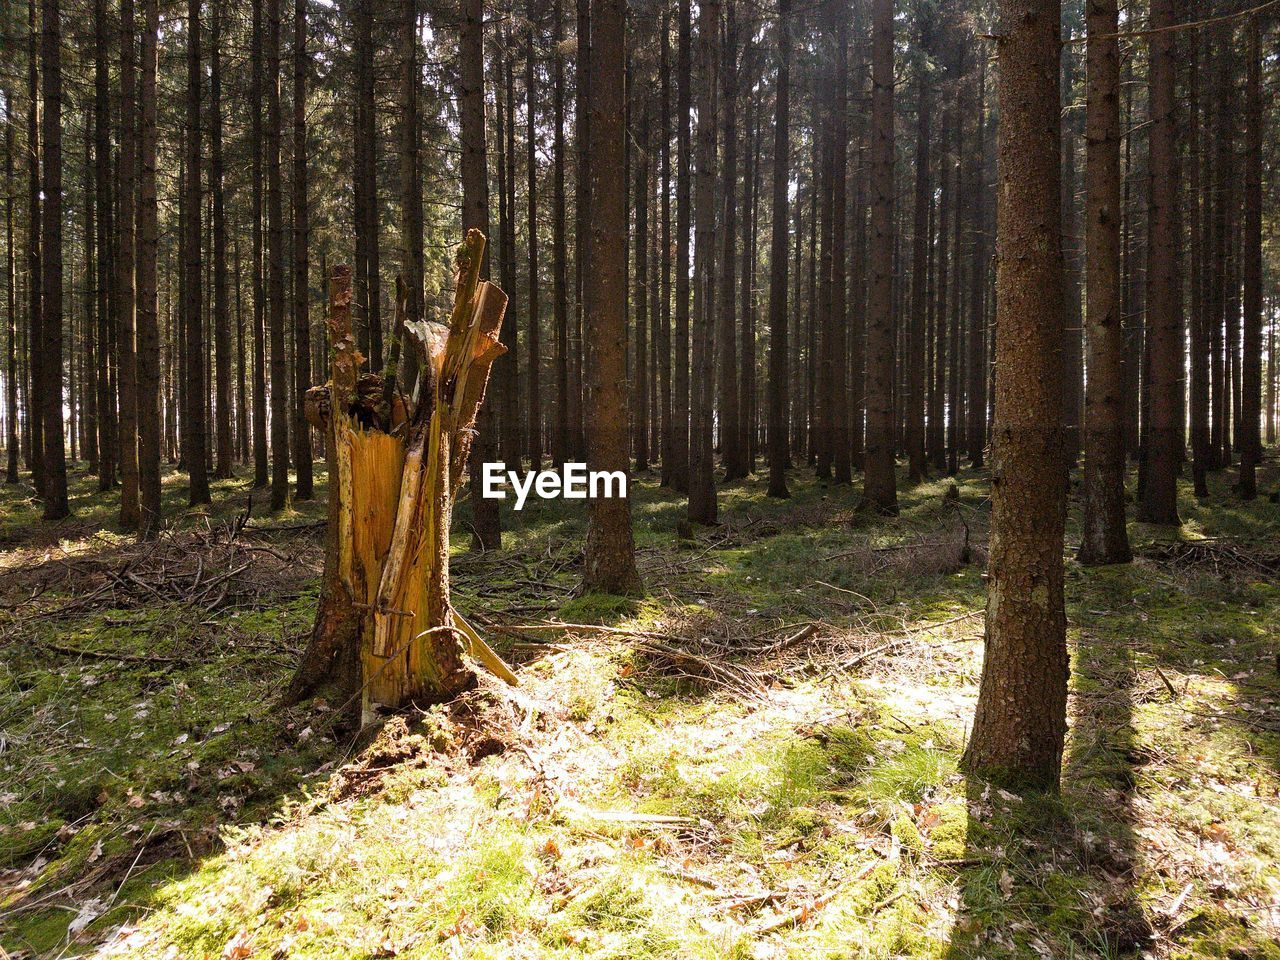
(395, 464)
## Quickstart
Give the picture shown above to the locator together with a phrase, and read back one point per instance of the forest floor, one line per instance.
(758, 760)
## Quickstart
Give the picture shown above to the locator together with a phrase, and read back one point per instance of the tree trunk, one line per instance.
(663, 340)
(365, 186)
(1251, 343)
(11, 303)
(1103, 535)
(582, 219)
(224, 449)
(839, 34)
(916, 466)
(559, 254)
(534, 422)
(1198, 349)
(1020, 722)
(126, 322)
(385, 627)
(726, 362)
(55, 455)
(507, 368)
(640, 395)
(194, 453)
(256, 93)
(702, 492)
(778, 440)
(976, 405)
(610, 565)
(302, 454)
(936, 436)
(275, 268)
(103, 281)
(1164, 290)
(684, 108)
(880, 492)
(149, 414)
(35, 280)
(486, 533)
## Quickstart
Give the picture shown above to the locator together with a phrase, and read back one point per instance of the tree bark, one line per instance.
(1251, 342)
(108, 450)
(302, 453)
(1104, 538)
(779, 440)
(224, 455)
(11, 303)
(610, 565)
(149, 413)
(1164, 289)
(559, 254)
(1020, 722)
(256, 93)
(839, 34)
(275, 268)
(35, 280)
(126, 303)
(55, 455)
(684, 108)
(726, 362)
(916, 465)
(880, 492)
(194, 452)
(640, 394)
(486, 526)
(663, 340)
(534, 422)
(702, 493)
(368, 288)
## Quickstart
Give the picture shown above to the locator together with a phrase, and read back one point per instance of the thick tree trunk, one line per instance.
(149, 414)
(880, 492)
(385, 628)
(1103, 535)
(302, 454)
(1020, 723)
(779, 440)
(610, 564)
(1164, 289)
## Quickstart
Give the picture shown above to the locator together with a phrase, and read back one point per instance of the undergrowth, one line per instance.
(155, 802)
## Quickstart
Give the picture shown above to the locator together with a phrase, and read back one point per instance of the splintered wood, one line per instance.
(398, 464)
